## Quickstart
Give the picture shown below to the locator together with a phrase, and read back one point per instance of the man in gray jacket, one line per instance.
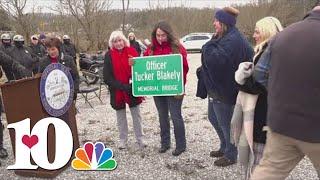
(293, 99)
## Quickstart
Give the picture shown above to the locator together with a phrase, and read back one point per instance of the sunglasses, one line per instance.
(34, 39)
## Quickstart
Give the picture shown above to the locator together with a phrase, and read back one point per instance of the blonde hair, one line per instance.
(131, 34)
(118, 34)
(268, 27)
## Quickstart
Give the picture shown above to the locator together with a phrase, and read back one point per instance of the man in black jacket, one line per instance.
(23, 55)
(19, 72)
(293, 99)
(36, 47)
(68, 48)
(6, 47)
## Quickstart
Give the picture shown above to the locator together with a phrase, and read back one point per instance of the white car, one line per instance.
(195, 41)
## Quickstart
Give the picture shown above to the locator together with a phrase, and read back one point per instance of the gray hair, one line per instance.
(118, 34)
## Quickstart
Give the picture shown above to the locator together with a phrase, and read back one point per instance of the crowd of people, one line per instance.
(262, 100)
(20, 61)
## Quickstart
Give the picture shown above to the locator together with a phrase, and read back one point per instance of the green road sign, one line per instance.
(157, 75)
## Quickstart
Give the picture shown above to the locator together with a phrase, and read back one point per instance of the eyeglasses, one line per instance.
(34, 38)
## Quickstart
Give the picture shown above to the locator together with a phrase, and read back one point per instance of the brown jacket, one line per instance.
(294, 81)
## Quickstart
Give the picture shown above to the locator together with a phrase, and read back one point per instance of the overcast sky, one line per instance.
(142, 4)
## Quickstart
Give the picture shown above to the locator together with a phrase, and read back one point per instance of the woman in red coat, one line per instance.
(164, 42)
(117, 75)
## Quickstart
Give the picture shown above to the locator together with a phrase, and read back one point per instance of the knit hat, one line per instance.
(227, 15)
(42, 36)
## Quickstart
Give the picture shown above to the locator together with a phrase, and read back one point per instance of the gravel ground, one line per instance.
(99, 124)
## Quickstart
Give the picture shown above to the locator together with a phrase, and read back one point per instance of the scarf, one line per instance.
(242, 121)
(54, 59)
(122, 71)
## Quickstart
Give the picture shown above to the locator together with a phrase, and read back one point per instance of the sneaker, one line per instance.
(177, 152)
(216, 154)
(3, 153)
(122, 145)
(223, 162)
(163, 149)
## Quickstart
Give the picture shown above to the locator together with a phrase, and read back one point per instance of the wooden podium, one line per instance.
(21, 100)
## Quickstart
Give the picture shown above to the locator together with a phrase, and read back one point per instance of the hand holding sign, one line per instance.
(158, 76)
(131, 61)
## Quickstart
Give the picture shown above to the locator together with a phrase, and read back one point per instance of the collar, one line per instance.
(156, 43)
(314, 14)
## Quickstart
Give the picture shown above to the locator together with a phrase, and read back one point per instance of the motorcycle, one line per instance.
(91, 66)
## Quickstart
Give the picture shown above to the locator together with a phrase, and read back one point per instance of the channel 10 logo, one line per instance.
(34, 144)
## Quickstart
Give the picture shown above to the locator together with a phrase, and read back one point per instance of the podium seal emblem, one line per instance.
(56, 89)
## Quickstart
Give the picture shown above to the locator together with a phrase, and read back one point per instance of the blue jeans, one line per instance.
(166, 104)
(219, 115)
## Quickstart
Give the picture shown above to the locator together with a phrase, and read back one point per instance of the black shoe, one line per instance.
(177, 152)
(223, 162)
(163, 149)
(216, 154)
(3, 153)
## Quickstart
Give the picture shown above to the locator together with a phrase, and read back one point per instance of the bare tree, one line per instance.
(87, 14)
(125, 7)
(15, 9)
(149, 3)
(169, 3)
(4, 23)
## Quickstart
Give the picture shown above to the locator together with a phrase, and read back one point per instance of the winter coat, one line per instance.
(252, 86)
(220, 59)
(69, 49)
(117, 75)
(164, 49)
(23, 56)
(134, 44)
(38, 50)
(6, 49)
(18, 70)
(294, 81)
(7, 69)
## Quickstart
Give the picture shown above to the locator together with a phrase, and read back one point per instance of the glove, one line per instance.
(244, 71)
(20, 71)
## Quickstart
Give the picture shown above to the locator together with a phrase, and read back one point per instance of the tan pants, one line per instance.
(282, 154)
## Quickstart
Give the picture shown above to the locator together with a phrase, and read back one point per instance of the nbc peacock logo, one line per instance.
(94, 157)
